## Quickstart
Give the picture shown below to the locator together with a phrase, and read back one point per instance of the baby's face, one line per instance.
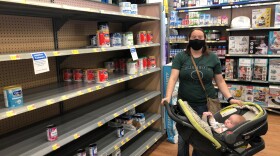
(231, 121)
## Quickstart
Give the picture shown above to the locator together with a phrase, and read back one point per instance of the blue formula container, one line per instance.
(13, 96)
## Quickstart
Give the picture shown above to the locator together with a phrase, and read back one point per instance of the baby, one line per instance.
(232, 121)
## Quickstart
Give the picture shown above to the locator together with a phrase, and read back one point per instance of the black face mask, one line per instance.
(197, 44)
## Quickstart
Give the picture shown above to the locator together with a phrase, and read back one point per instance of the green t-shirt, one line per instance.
(190, 88)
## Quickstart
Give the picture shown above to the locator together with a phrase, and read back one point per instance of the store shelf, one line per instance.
(50, 94)
(32, 141)
(251, 55)
(222, 41)
(143, 143)
(44, 9)
(20, 56)
(221, 57)
(199, 26)
(253, 29)
(252, 82)
(179, 42)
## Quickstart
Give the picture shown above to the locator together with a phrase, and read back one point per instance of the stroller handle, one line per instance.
(175, 117)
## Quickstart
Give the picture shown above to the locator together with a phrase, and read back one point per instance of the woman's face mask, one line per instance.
(196, 44)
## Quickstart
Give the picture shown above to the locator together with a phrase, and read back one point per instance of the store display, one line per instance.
(134, 9)
(258, 45)
(277, 16)
(177, 38)
(88, 75)
(230, 71)
(116, 39)
(125, 7)
(92, 150)
(274, 43)
(52, 133)
(273, 97)
(245, 66)
(103, 36)
(241, 22)
(141, 37)
(13, 96)
(110, 66)
(67, 75)
(127, 39)
(238, 44)
(77, 75)
(101, 75)
(81, 152)
(261, 17)
(132, 68)
(120, 132)
(260, 95)
(274, 70)
(260, 69)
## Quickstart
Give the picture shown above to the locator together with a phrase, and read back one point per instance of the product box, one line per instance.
(258, 45)
(274, 43)
(238, 44)
(260, 95)
(274, 70)
(230, 69)
(261, 17)
(273, 97)
(236, 91)
(260, 69)
(277, 16)
(245, 69)
(247, 94)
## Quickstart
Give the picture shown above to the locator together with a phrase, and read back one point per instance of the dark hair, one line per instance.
(205, 50)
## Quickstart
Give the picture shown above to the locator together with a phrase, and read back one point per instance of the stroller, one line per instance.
(232, 142)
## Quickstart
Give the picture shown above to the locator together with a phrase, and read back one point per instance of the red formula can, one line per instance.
(101, 75)
(88, 75)
(103, 39)
(145, 63)
(149, 37)
(151, 62)
(52, 134)
(67, 75)
(122, 64)
(142, 37)
(78, 75)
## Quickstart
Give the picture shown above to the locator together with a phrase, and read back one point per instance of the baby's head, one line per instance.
(234, 120)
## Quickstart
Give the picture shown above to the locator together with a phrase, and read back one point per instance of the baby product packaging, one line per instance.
(274, 43)
(260, 69)
(261, 17)
(238, 44)
(260, 95)
(277, 16)
(258, 45)
(245, 69)
(273, 97)
(274, 70)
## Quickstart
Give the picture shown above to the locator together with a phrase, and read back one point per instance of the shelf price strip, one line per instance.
(30, 107)
(50, 101)
(99, 123)
(75, 52)
(14, 57)
(10, 113)
(116, 147)
(55, 146)
(98, 87)
(125, 110)
(64, 97)
(76, 136)
(127, 139)
(56, 53)
(116, 115)
(122, 142)
(89, 90)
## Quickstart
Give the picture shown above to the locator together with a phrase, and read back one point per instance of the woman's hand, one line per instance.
(165, 99)
(235, 101)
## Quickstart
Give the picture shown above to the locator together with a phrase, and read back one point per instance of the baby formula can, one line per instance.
(67, 75)
(81, 152)
(131, 68)
(145, 63)
(134, 9)
(151, 62)
(141, 37)
(125, 7)
(128, 38)
(77, 75)
(92, 150)
(116, 39)
(140, 64)
(88, 75)
(110, 66)
(52, 132)
(120, 132)
(149, 37)
(13, 96)
(101, 75)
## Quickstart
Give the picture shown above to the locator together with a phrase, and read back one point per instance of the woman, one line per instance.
(190, 88)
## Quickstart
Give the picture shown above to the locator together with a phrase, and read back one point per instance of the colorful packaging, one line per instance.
(273, 97)
(260, 95)
(277, 16)
(110, 66)
(229, 71)
(261, 17)
(120, 132)
(78, 75)
(238, 44)
(145, 63)
(52, 134)
(141, 37)
(140, 64)
(224, 20)
(101, 75)
(13, 96)
(134, 9)
(67, 75)
(127, 39)
(149, 37)
(151, 62)
(125, 7)
(88, 75)
(116, 39)
(245, 69)
(274, 43)
(247, 94)
(258, 45)
(103, 39)
(260, 69)
(274, 70)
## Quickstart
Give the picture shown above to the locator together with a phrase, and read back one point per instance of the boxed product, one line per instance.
(260, 69)
(238, 44)
(274, 43)
(260, 95)
(273, 97)
(277, 16)
(230, 69)
(258, 45)
(247, 94)
(236, 91)
(261, 17)
(245, 69)
(274, 70)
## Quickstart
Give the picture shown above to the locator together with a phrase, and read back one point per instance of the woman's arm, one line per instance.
(224, 89)
(170, 86)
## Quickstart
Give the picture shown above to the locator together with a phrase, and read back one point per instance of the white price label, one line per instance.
(133, 53)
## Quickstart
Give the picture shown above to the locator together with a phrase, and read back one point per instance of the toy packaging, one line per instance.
(247, 94)
(238, 44)
(258, 45)
(245, 69)
(273, 97)
(274, 70)
(260, 69)
(236, 91)
(274, 43)
(230, 69)
(261, 17)
(260, 95)
(277, 16)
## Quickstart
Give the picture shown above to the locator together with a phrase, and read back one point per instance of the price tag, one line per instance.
(50, 101)
(98, 87)
(139, 131)
(55, 146)
(76, 136)
(116, 115)
(144, 127)
(134, 105)
(14, 57)
(56, 53)
(147, 147)
(100, 123)
(133, 53)
(121, 79)
(128, 46)
(130, 77)
(118, 81)
(153, 121)
(64, 97)
(103, 49)
(23, 1)
(94, 50)
(146, 99)
(108, 84)
(80, 93)
(102, 11)
(31, 107)
(125, 110)
(149, 123)
(116, 147)
(156, 140)
(10, 113)
(127, 139)
(122, 142)
(89, 90)
(141, 74)
(75, 52)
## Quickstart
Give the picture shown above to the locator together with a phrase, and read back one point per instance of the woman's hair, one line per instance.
(205, 50)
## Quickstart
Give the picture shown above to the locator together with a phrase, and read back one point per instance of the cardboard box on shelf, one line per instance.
(260, 69)
(258, 45)
(245, 66)
(274, 43)
(238, 44)
(277, 16)
(261, 17)
(273, 97)
(260, 95)
(274, 70)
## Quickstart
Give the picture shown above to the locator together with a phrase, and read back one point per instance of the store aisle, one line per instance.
(272, 140)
